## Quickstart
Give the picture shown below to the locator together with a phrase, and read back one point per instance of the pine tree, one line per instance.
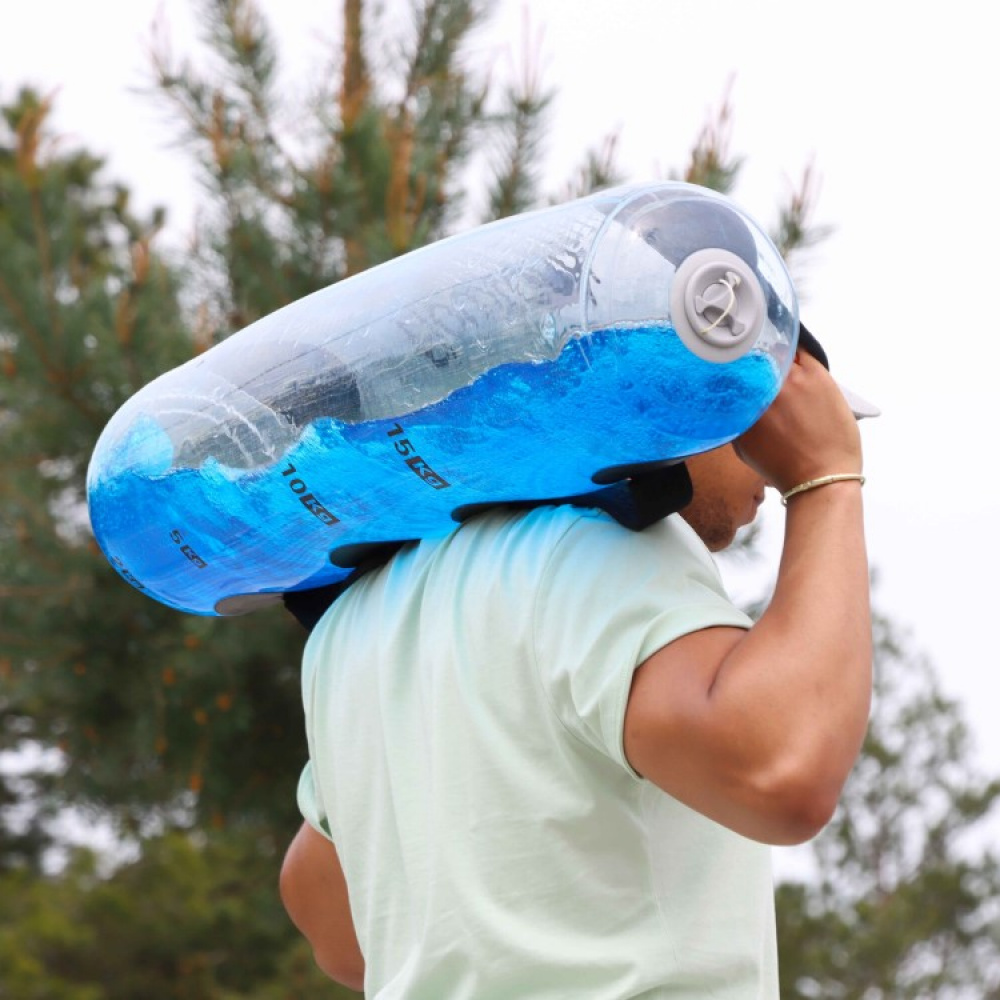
(374, 165)
(88, 313)
(906, 903)
(190, 920)
(162, 718)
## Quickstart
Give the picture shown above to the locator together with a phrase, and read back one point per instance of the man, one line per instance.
(547, 753)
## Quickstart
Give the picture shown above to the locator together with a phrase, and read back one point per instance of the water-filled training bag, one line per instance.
(537, 357)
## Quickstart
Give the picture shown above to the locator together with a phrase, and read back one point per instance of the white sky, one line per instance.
(895, 103)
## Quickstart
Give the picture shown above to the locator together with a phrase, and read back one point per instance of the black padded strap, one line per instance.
(637, 502)
(642, 499)
(308, 606)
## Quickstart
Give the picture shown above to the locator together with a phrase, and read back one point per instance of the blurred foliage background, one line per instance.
(181, 737)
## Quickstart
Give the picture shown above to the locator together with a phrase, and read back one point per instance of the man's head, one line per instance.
(727, 495)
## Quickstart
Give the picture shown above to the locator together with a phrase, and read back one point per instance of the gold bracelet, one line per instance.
(813, 484)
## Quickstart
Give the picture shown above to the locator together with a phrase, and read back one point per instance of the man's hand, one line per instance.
(807, 432)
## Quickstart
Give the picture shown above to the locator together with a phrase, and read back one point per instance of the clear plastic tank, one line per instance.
(527, 359)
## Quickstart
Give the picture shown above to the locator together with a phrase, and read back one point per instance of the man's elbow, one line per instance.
(338, 959)
(315, 896)
(799, 805)
(803, 819)
(345, 969)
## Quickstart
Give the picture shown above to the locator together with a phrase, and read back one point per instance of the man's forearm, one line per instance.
(314, 892)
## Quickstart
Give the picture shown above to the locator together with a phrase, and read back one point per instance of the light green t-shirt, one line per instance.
(464, 707)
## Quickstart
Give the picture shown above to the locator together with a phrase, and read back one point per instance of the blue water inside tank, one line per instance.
(526, 430)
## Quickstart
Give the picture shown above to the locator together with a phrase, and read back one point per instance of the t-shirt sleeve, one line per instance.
(608, 600)
(309, 804)
(308, 796)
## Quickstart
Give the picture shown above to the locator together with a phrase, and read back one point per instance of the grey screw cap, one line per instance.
(717, 304)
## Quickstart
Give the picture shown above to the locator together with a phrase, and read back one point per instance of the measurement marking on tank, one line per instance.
(128, 574)
(307, 499)
(405, 449)
(178, 539)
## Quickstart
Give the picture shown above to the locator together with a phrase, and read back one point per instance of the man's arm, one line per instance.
(759, 729)
(314, 892)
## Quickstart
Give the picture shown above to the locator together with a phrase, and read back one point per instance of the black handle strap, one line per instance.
(635, 503)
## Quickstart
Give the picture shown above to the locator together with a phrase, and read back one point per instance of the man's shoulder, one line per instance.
(558, 519)
(564, 527)
(575, 545)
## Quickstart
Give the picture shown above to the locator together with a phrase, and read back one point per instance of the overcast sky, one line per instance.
(894, 103)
